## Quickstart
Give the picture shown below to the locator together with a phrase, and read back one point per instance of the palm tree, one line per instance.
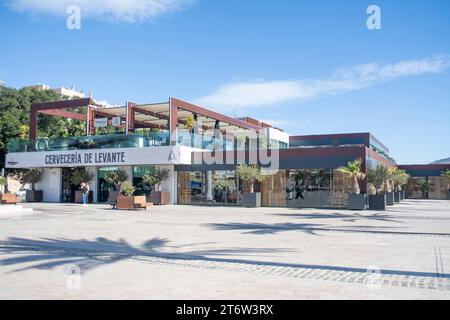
(378, 176)
(353, 169)
(400, 178)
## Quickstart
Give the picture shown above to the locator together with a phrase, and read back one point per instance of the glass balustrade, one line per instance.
(153, 139)
(135, 140)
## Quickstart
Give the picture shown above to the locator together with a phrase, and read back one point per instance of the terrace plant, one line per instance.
(251, 174)
(190, 122)
(353, 169)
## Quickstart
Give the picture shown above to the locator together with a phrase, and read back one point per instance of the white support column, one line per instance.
(170, 185)
(209, 191)
(51, 184)
(93, 185)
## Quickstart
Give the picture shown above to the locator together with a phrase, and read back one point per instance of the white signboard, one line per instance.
(116, 121)
(100, 157)
(100, 122)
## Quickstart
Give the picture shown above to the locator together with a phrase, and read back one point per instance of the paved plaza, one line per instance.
(190, 252)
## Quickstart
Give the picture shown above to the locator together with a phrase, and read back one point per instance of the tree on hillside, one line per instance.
(15, 108)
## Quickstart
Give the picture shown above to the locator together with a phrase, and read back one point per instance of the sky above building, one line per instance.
(309, 67)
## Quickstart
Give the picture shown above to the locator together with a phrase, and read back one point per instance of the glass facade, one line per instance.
(208, 187)
(437, 188)
(328, 142)
(152, 139)
(322, 188)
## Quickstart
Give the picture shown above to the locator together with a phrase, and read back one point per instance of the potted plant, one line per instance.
(79, 176)
(377, 177)
(425, 188)
(115, 178)
(446, 174)
(399, 178)
(154, 180)
(7, 198)
(2, 183)
(126, 200)
(250, 174)
(356, 200)
(31, 176)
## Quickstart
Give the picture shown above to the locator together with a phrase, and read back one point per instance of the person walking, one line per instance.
(85, 193)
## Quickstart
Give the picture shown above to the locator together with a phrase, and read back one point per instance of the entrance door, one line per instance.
(141, 188)
(68, 188)
(103, 186)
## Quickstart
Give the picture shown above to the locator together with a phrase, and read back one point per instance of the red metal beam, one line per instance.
(64, 114)
(151, 113)
(55, 105)
(180, 104)
(63, 104)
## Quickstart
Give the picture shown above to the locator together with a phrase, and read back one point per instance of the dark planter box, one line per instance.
(402, 195)
(357, 201)
(79, 197)
(377, 202)
(397, 196)
(390, 198)
(448, 195)
(160, 198)
(251, 199)
(34, 195)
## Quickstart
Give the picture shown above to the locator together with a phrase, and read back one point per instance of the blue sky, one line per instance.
(309, 67)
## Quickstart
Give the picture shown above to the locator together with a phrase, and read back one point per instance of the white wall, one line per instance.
(170, 185)
(51, 184)
(278, 135)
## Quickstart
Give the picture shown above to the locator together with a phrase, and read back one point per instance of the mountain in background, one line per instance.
(442, 161)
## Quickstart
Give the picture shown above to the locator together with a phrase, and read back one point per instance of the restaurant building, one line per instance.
(201, 150)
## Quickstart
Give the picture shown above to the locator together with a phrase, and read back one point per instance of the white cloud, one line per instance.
(115, 10)
(263, 93)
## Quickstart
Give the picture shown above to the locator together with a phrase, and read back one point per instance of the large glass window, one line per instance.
(138, 174)
(284, 188)
(427, 188)
(208, 187)
(299, 188)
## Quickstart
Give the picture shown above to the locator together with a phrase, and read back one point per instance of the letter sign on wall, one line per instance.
(116, 121)
(101, 122)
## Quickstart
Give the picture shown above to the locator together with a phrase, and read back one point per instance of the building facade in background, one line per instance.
(201, 150)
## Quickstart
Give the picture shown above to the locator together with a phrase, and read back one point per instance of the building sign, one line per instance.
(100, 122)
(116, 121)
(100, 157)
(87, 158)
